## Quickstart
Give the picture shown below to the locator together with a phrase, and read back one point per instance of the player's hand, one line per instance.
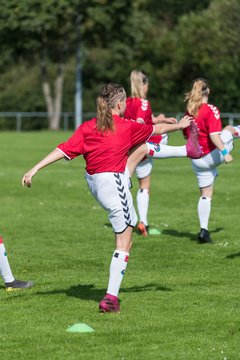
(185, 121)
(27, 178)
(170, 120)
(161, 118)
(228, 158)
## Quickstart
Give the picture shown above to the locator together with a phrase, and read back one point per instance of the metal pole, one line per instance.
(65, 123)
(78, 94)
(19, 122)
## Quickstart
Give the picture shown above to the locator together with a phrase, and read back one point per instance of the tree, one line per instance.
(203, 44)
(173, 40)
(43, 32)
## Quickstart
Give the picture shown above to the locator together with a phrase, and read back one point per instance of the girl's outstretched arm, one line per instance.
(54, 156)
(161, 118)
(166, 128)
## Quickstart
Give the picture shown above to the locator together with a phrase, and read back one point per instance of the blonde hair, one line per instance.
(138, 79)
(194, 97)
(109, 95)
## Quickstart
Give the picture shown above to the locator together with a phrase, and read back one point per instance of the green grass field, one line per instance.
(179, 299)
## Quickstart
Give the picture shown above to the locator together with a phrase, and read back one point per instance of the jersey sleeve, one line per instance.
(143, 110)
(140, 132)
(214, 120)
(73, 147)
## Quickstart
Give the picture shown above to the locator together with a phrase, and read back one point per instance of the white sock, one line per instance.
(117, 270)
(142, 205)
(5, 270)
(165, 151)
(204, 209)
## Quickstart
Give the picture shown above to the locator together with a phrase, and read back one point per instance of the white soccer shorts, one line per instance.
(205, 168)
(112, 193)
(144, 168)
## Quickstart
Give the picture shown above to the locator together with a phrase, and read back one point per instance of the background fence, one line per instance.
(21, 121)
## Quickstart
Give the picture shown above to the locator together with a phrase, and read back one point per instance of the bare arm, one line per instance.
(166, 128)
(161, 118)
(54, 156)
(217, 141)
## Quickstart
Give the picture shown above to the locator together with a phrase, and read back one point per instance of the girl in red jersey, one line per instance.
(105, 142)
(216, 147)
(138, 108)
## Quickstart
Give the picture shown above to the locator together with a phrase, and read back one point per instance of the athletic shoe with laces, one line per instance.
(193, 147)
(204, 237)
(143, 229)
(18, 285)
(109, 303)
(237, 131)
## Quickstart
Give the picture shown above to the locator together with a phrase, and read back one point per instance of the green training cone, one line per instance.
(154, 231)
(80, 327)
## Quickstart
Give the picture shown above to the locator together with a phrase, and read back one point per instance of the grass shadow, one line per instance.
(217, 230)
(184, 234)
(233, 256)
(179, 234)
(90, 292)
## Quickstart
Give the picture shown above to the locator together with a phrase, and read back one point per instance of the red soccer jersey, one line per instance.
(209, 122)
(105, 152)
(140, 108)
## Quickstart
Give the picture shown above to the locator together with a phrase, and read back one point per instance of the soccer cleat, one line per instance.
(109, 303)
(143, 229)
(193, 147)
(204, 237)
(237, 131)
(18, 285)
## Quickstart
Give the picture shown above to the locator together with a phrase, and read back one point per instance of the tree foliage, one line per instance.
(207, 45)
(175, 41)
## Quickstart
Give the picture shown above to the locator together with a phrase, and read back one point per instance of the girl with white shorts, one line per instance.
(105, 142)
(216, 146)
(138, 108)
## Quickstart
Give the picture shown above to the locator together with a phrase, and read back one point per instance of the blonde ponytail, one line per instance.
(109, 95)
(195, 96)
(104, 115)
(138, 79)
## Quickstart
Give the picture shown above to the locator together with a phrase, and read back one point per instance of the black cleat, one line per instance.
(204, 237)
(18, 285)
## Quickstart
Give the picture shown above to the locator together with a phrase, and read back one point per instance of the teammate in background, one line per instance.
(138, 108)
(5, 271)
(216, 147)
(105, 142)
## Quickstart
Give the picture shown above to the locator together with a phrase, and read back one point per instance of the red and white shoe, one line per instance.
(193, 147)
(109, 303)
(237, 131)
